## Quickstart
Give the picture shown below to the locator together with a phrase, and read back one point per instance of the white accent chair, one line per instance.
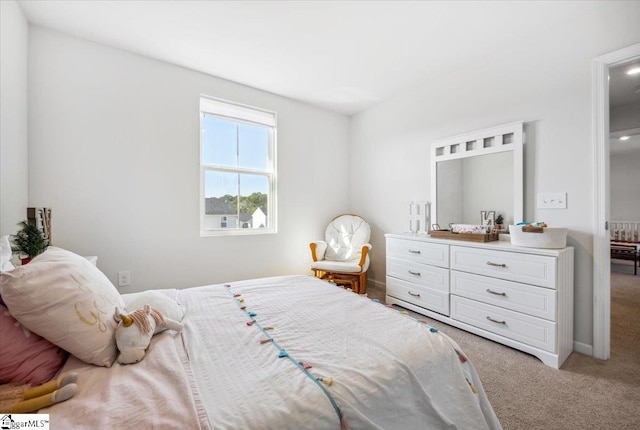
(343, 257)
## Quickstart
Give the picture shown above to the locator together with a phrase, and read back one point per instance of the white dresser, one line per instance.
(520, 297)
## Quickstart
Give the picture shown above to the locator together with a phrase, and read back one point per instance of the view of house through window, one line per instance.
(237, 160)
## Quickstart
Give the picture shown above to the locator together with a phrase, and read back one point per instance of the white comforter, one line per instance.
(388, 370)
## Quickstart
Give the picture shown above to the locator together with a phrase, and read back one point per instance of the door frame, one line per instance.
(601, 242)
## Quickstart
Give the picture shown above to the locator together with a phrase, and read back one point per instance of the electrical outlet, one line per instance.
(124, 279)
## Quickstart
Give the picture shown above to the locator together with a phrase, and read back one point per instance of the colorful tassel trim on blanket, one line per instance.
(473, 387)
(326, 381)
(321, 382)
(344, 423)
(463, 358)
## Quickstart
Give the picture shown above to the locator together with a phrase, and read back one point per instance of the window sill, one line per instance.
(237, 232)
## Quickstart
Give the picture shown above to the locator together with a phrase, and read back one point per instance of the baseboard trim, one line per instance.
(376, 284)
(583, 348)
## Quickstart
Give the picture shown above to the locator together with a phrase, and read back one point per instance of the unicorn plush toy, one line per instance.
(136, 329)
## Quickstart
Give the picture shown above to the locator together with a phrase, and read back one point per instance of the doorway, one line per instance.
(601, 241)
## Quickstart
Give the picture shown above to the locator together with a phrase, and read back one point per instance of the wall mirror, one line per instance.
(478, 171)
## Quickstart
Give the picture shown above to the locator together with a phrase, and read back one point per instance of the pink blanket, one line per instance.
(159, 392)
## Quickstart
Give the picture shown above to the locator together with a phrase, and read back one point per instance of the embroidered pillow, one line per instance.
(25, 357)
(67, 300)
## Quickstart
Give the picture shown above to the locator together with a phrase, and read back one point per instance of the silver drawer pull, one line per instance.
(495, 292)
(414, 273)
(414, 251)
(413, 294)
(491, 263)
(496, 321)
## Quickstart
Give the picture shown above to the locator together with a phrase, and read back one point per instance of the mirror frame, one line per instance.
(507, 137)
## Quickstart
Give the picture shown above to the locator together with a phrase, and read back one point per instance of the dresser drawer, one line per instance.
(420, 252)
(418, 295)
(512, 266)
(513, 325)
(535, 301)
(432, 277)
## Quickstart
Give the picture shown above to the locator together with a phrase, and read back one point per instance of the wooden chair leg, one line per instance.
(356, 281)
(363, 283)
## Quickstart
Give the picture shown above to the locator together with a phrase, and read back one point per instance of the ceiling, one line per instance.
(339, 55)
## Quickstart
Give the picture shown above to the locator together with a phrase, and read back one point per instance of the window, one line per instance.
(237, 169)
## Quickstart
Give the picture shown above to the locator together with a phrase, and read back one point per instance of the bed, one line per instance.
(287, 352)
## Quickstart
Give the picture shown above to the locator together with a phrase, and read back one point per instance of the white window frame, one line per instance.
(245, 114)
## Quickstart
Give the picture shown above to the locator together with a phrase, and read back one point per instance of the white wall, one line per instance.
(114, 141)
(14, 38)
(549, 89)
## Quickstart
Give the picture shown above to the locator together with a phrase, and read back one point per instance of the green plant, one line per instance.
(29, 240)
(499, 220)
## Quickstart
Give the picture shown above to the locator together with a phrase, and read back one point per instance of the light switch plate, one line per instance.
(552, 201)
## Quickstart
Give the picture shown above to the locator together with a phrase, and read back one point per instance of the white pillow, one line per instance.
(67, 300)
(345, 236)
(157, 300)
(5, 255)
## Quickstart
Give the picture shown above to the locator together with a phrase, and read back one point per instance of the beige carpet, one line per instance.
(585, 393)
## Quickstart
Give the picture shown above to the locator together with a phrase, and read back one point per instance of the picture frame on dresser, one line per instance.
(488, 218)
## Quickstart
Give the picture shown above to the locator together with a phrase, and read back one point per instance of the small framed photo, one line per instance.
(488, 218)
